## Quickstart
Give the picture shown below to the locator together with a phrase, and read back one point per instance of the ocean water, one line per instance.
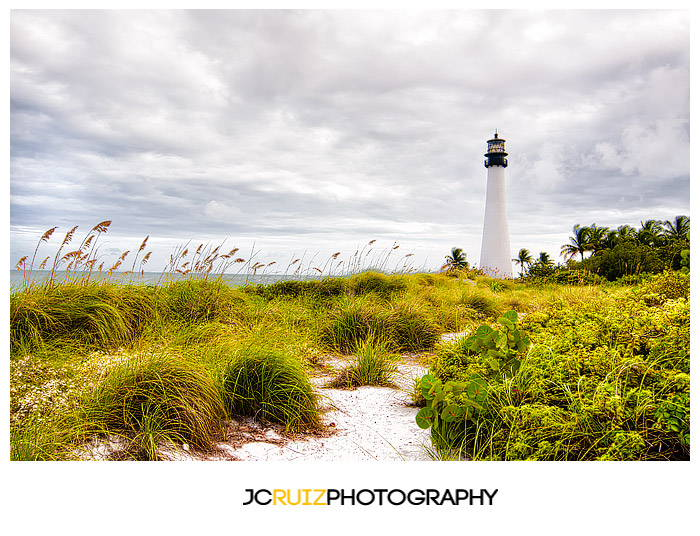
(18, 279)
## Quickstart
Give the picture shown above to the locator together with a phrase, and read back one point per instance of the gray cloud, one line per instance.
(305, 130)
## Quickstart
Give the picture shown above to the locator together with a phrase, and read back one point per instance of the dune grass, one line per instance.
(372, 364)
(169, 363)
(155, 399)
(270, 386)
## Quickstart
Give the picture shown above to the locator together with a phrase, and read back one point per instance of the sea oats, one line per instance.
(45, 237)
(102, 226)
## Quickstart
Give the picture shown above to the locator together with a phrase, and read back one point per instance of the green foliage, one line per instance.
(626, 251)
(365, 283)
(626, 258)
(352, 321)
(197, 300)
(456, 260)
(450, 402)
(685, 261)
(502, 347)
(667, 286)
(409, 327)
(606, 378)
(452, 406)
(316, 288)
(540, 270)
(575, 276)
(673, 415)
(271, 386)
(606, 374)
(34, 440)
(480, 302)
(378, 284)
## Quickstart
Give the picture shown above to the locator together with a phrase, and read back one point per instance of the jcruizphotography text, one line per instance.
(366, 497)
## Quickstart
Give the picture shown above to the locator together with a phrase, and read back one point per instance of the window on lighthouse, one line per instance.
(496, 147)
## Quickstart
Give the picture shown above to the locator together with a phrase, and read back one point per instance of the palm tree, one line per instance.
(626, 232)
(523, 258)
(596, 238)
(456, 260)
(649, 233)
(578, 244)
(544, 259)
(678, 228)
(611, 239)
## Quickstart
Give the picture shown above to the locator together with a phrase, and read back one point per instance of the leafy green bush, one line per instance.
(626, 258)
(666, 286)
(605, 379)
(577, 276)
(270, 386)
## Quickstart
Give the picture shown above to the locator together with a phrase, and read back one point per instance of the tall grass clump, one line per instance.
(410, 326)
(373, 364)
(480, 302)
(34, 439)
(379, 284)
(198, 300)
(270, 385)
(402, 325)
(319, 289)
(157, 399)
(96, 313)
(352, 321)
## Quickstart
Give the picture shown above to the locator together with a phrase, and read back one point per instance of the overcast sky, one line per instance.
(313, 132)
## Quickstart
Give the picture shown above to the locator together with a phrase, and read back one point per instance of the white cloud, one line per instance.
(221, 212)
(349, 124)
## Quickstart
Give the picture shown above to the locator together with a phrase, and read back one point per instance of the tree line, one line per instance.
(613, 253)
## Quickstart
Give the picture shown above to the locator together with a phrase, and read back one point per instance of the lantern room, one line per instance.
(496, 155)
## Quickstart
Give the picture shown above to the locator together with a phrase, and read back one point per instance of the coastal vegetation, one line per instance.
(564, 366)
(614, 254)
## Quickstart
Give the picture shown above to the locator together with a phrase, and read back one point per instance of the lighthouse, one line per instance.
(495, 242)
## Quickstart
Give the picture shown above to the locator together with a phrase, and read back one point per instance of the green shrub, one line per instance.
(606, 379)
(270, 386)
(666, 286)
(626, 258)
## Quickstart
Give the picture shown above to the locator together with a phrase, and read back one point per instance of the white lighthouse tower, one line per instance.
(495, 243)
